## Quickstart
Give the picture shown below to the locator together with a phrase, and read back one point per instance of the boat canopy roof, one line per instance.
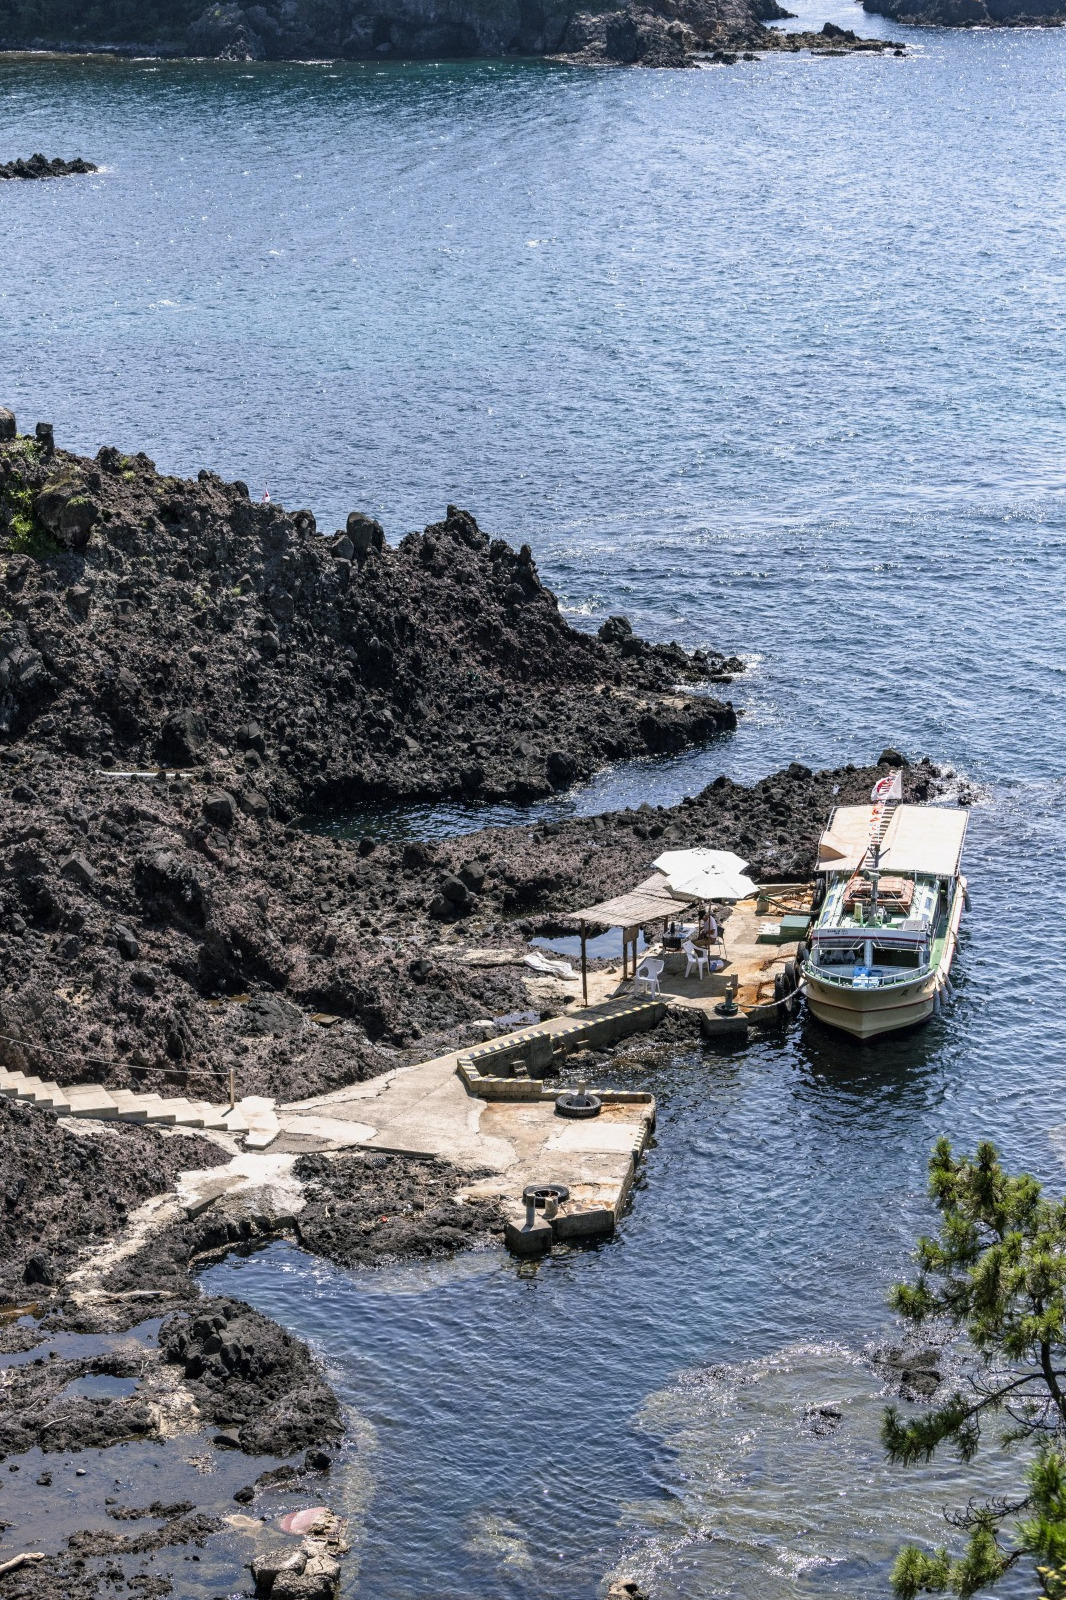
(919, 839)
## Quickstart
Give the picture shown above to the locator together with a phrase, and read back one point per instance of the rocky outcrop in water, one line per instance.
(681, 33)
(39, 166)
(159, 930)
(972, 13)
(364, 1208)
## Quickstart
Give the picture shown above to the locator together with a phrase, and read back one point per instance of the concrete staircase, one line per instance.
(93, 1100)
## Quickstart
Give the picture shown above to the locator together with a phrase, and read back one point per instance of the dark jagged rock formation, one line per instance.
(972, 13)
(147, 619)
(252, 1377)
(39, 166)
(648, 32)
(364, 1208)
(679, 33)
(160, 931)
(61, 1190)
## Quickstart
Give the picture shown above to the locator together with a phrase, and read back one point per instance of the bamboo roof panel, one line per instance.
(650, 901)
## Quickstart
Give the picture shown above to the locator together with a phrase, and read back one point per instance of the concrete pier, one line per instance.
(431, 1110)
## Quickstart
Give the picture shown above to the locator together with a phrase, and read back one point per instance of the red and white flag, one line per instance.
(890, 788)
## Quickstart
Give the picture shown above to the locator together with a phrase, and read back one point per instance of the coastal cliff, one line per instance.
(652, 33)
(147, 619)
(283, 30)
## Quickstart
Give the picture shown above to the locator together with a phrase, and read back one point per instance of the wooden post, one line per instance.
(232, 1087)
(584, 968)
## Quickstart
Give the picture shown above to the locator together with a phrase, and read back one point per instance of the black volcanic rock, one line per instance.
(159, 930)
(971, 13)
(160, 620)
(39, 166)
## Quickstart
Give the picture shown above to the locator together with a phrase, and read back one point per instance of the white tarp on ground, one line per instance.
(926, 839)
(702, 874)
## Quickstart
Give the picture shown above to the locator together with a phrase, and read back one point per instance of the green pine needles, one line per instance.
(997, 1275)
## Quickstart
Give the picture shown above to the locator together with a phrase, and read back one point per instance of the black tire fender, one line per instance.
(539, 1192)
(572, 1104)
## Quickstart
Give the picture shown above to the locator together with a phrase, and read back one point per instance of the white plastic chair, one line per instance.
(693, 958)
(648, 975)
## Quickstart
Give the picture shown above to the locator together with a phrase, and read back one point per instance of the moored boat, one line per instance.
(884, 938)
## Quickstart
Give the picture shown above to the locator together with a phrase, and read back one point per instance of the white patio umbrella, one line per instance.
(701, 874)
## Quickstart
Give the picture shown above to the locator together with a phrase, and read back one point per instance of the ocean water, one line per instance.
(769, 358)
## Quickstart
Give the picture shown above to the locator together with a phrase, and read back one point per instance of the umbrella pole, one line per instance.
(584, 968)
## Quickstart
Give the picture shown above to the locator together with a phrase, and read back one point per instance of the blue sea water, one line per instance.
(770, 358)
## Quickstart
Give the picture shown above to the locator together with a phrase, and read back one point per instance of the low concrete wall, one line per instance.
(532, 1052)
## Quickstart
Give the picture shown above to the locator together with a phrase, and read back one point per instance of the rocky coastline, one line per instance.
(650, 33)
(190, 684)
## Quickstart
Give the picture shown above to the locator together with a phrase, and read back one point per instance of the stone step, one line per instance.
(131, 1107)
(180, 1112)
(38, 1093)
(263, 1125)
(57, 1097)
(90, 1100)
(93, 1100)
(212, 1115)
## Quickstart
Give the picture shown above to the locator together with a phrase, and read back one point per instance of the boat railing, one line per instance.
(886, 980)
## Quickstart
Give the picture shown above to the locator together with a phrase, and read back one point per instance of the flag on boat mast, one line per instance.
(890, 788)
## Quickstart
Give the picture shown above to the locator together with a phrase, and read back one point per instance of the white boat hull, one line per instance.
(869, 1012)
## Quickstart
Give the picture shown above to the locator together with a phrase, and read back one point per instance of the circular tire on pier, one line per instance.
(792, 975)
(539, 1192)
(802, 953)
(572, 1104)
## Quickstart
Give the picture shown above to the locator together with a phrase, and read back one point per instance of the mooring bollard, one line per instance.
(728, 1007)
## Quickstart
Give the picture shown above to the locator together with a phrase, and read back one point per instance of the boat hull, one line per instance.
(866, 1013)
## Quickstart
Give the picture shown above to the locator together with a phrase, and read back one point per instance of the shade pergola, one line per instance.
(650, 901)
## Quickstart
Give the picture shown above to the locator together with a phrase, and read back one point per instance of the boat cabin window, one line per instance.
(833, 956)
(896, 958)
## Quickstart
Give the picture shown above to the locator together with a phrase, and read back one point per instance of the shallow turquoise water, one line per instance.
(769, 358)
